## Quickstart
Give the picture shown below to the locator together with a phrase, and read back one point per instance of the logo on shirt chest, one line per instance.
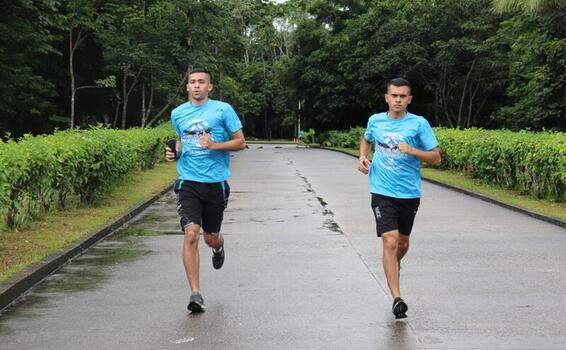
(388, 150)
(192, 132)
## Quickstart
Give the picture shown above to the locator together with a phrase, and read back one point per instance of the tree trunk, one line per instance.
(127, 91)
(463, 96)
(72, 75)
(147, 111)
(150, 123)
(150, 103)
(73, 44)
(125, 100)
(117, 110)
(143, 119)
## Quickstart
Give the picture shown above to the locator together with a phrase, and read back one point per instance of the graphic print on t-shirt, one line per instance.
(389, 150)
(192, 134)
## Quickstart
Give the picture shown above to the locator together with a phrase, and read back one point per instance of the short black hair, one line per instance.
(399, 82)
(200, 70)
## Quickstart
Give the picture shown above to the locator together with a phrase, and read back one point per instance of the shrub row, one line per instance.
(532, 163)
(334, 138)
(38, 172)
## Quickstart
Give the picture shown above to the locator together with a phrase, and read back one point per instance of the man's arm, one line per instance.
(237, 142)
(432, 157)
(364, 163)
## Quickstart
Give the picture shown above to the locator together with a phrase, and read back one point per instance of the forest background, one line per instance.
(319, 64)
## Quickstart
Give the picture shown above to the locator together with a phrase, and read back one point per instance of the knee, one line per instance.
(191, 236)
(390, 244)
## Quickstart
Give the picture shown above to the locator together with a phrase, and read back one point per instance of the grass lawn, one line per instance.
(58, 229)
(466, 182)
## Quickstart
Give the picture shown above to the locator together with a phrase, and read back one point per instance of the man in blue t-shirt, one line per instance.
(207, 130)
(402, 140)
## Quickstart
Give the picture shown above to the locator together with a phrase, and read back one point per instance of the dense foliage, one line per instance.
(42, 172)
(318, 63)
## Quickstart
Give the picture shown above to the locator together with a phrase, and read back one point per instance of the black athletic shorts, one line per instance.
(202, 203)
(394, 213)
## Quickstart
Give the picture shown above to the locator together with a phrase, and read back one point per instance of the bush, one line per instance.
(532, 163)
(37, 172)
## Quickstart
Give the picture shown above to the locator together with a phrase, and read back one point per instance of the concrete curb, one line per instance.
(17, 285)
(549, 219)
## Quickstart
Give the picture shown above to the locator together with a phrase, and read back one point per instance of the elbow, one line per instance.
(242, 145)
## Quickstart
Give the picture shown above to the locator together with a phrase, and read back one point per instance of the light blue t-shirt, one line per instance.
(216, 118)
(393, 173)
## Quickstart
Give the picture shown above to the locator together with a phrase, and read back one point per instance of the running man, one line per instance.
(206, 131)
(402, 140)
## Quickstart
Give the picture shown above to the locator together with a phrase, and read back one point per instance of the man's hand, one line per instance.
(405, 148)
(169, 154)
(363, 165)
(206, 141)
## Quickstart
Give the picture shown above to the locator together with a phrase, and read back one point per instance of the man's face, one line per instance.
(398, 98)
(198, 86)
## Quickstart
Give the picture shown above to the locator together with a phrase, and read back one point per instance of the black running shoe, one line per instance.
(218, 258)
(399, 308)
(196, 303)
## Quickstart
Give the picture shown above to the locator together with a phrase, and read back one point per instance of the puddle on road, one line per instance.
(86, 272)
(333, 226)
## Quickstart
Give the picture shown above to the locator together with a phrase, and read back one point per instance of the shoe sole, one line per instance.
(195, 307)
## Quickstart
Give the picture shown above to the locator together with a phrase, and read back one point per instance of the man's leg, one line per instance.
(216, 242)
(391, 261)
(394, 248)
(213, 215)
(191, 257)
(190, 207)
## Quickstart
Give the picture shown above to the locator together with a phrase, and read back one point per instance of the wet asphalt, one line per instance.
(303, 271)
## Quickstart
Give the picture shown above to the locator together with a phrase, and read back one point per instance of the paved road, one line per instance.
(303, 271)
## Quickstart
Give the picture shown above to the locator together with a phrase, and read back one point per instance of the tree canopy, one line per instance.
(325, 63)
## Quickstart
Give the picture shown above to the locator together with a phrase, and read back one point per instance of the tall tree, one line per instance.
(27, 30)
(164, 25)
(536, 60)
(79, 20)
(124, 49)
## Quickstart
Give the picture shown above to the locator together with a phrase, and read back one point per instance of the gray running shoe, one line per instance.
(400, 308)
(196, 303)
(218, 258)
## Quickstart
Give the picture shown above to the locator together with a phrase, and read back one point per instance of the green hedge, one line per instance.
(532, 163)
(41, 171)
